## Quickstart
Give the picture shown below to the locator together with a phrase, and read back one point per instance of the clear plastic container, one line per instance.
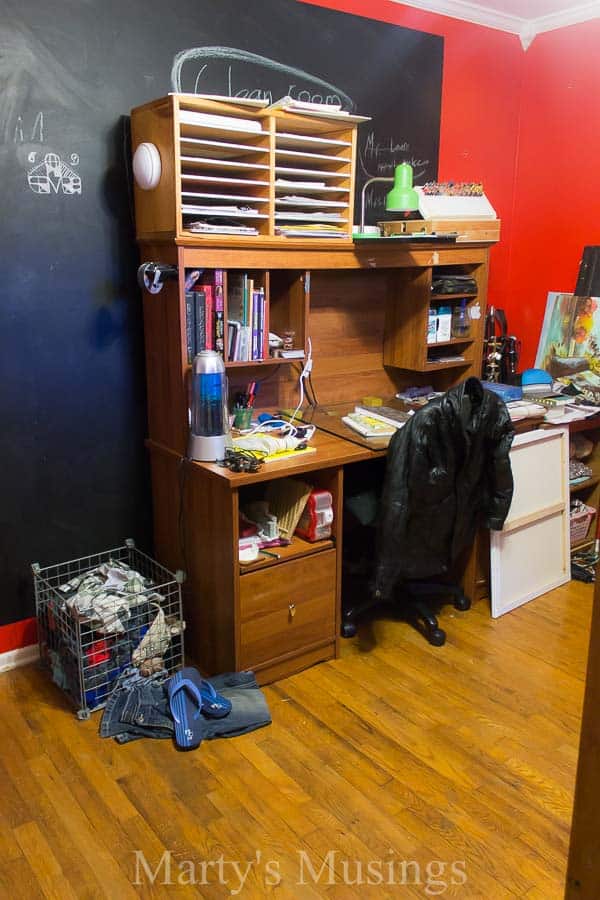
(461, 320)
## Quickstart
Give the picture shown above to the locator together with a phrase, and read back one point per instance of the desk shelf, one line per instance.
(232, 150)
(298, 548)
(434, 366)
(407, 314)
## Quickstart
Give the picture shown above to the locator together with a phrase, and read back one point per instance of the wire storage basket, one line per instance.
(100, 614)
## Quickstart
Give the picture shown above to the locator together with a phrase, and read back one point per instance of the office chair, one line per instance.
(412, 599)
(447, 473)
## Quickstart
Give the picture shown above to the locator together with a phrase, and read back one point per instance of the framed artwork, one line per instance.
(531, 555)
(569, 347)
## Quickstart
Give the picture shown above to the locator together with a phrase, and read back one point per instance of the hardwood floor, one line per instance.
(401, 766)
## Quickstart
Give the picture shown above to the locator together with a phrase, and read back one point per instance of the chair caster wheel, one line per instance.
(436, 637)
(462, 603)
(348, 629)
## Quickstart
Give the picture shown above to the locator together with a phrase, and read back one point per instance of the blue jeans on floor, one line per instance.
(139, 707)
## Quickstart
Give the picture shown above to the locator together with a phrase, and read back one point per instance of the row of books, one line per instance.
(248, 319)
(204, 313)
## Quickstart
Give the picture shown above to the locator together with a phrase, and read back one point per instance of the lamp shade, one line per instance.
(402, 196)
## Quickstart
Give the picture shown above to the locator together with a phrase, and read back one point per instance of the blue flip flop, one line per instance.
(185, 703)
(214, 706)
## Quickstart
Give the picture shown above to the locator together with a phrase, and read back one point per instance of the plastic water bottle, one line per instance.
(461, 320)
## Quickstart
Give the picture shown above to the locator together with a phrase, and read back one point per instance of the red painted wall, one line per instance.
(557, 198)
(526, 124)
(481, 93)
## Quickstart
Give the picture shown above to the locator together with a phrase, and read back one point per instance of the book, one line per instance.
(386, 414)
(199, 320)
(190, 325)
(291, 354)
(368, 426)
(233, 337)
(205, 318)
(219, 312)
(264, 324)
(288, 102)
(256, 350)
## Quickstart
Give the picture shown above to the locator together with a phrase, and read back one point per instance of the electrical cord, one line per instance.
(181, 518)
(305, 373)
(310, 381)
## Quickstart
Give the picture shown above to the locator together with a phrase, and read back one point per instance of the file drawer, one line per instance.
(286, 608)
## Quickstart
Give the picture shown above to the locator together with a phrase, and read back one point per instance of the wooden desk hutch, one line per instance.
(364, 306)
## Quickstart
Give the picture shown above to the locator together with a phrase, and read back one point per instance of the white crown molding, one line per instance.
(582, 13)
(469, 12)
(526, 29)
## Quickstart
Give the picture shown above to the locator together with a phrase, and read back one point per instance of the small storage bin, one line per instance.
(580, 519)
(88, 636)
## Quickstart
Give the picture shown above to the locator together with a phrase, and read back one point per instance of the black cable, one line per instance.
(270, 375)
(310, 394)
(181, 518)
(310, 381)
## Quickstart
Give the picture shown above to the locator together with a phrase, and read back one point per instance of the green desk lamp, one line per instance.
(401, 198)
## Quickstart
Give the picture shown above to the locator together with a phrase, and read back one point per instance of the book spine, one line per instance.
(200, 320)
(244, 299)
(266, 324)
(190, 325)
(249, 317)
(219, 313)
(255, 324)
(263, 331)
(233, 330)
(209, 320)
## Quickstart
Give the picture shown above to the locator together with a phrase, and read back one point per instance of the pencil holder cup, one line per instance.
(242, 417)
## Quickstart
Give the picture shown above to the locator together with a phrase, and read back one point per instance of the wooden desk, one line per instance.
(275, 616)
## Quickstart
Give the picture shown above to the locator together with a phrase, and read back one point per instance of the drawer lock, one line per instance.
(292, 609)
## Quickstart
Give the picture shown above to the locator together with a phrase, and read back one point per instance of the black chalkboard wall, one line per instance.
(73, 467)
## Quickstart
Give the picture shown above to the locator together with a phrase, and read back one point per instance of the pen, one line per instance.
(269, 553)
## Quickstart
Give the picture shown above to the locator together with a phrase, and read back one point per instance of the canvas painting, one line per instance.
(569, 347)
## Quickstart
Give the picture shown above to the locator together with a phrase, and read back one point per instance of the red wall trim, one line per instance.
(17, 635)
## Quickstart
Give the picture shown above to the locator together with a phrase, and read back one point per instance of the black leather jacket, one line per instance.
(448, 472)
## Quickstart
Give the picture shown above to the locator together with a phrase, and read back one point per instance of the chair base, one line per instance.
(415, 610)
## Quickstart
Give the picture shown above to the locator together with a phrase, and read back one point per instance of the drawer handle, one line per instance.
(292, 609)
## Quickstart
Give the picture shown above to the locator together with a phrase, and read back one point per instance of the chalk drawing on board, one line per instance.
(53, 176)
(208, 61)
(37, 130)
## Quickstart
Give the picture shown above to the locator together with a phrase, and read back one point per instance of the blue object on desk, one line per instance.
(536, 377)
(272, 420)
(507, 392)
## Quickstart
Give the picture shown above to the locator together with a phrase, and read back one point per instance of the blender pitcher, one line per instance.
(209, 432)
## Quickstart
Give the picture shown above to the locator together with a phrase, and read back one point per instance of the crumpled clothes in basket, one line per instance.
(106, 594)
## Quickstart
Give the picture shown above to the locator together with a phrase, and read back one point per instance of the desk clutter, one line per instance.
(291, 507)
